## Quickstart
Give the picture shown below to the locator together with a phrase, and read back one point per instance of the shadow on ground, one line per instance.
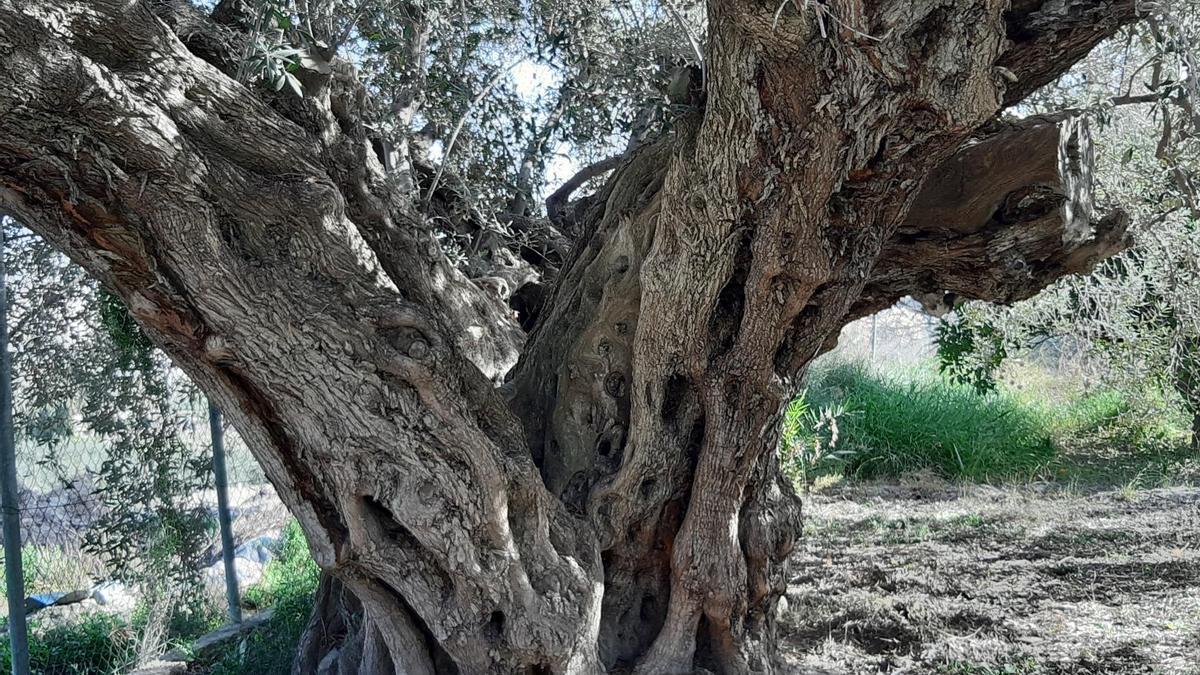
(926, 577)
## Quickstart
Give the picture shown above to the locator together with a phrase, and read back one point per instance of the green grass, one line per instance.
(891, 425)
(861, 423)
(97, 644)
(1021, 667)
(103, 644)
(47, 569)
(289, 582)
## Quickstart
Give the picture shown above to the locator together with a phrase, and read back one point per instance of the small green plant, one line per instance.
(810, 440)
(970, 520)
(289, 583)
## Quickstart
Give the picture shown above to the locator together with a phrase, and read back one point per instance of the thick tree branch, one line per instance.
(296, 290)
(990, 226)
(556, 203)
(714, 265)
(1046, 34)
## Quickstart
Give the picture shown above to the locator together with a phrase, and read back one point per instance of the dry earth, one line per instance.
(927, 577)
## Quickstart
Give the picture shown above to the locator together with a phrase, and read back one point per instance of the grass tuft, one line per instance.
(95, 643)
(858, 422)
(892, 425)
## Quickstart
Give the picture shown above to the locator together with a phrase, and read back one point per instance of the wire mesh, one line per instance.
(902, 335)
(113, 464)
(60, 505)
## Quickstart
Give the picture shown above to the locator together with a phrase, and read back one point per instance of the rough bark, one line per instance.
(677, 332)
(986, 227)
(617, 505)
(272, 264)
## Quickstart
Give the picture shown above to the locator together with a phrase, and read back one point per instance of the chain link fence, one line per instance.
(61, 505)
(901, 336)
(106, 439)
(63, 513)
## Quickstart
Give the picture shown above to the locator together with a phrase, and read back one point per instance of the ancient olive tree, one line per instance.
(597, 491)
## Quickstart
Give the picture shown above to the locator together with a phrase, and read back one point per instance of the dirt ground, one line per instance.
(927, 577)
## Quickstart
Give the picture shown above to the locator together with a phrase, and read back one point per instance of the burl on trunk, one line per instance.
(616, 505)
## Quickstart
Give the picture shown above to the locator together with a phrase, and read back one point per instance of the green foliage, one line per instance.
(147, 480)
(810, 440)
(98, 410)
(892, 425)
(97, 644)
(104, 644)
(512, 82)
(970, 351)
(1037, 424)
(1094, 412)
(1136, 437)
(291, 572)
(179, 618)
(132, 344)
(289, 583)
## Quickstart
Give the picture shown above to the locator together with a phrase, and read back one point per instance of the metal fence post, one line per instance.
(222, 481)
(874, 330)
(13, 574)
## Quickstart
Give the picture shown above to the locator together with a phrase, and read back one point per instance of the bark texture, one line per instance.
(617, 504)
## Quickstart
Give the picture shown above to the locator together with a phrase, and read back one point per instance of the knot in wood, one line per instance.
(218, 349)
(418, 349)
(614, 384)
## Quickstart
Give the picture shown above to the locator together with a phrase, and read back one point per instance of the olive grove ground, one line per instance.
(924, 576)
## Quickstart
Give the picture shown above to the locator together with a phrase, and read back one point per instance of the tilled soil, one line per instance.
(926, 577)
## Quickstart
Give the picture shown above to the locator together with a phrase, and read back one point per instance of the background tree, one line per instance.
(1138, 314)
(91, 393)
(318, 210)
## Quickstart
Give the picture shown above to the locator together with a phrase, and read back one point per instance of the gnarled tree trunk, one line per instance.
(617, 503)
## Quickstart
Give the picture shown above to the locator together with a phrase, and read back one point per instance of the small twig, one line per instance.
(437, 177)
(691, 37)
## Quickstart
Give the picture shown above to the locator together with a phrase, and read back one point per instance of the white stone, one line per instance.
(260, 550)
(115, 596)
(246, 571)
